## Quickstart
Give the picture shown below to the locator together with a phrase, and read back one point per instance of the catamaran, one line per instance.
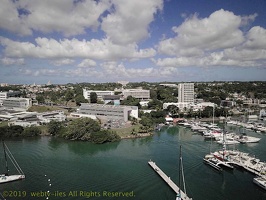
(212, 161)
(5, 178)
(216, 160)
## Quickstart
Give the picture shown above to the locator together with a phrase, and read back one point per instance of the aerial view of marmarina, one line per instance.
(143, 100)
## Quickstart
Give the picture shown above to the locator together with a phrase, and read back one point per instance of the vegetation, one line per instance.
(155, 104)
(104, 136)
(56, 128)
(18, 131)
(219, 91)
(69, 95)
(31, 131)
(85, 129)
(93, 97)
(79, 129)
(167, 94)
(130, 101)
(149, 120)
(79, 98)
(126, 131)
(173, 110)
(40, 99)
(10, 87)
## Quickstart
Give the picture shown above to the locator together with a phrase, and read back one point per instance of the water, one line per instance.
(80, 170)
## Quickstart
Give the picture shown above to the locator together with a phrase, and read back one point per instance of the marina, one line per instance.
(228, 158)
(122, 166)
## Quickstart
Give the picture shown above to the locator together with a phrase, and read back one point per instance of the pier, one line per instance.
(178, 191)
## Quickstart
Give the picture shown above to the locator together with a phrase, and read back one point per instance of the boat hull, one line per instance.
(260, 182)
(11, 178)
(251, 140)
(212, 164)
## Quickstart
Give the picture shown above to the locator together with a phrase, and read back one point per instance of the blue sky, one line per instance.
(74, 41)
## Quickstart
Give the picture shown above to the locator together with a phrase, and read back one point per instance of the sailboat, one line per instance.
(181, 174)
(221, 156)
(5, 178)
(209, 159)
(217, 159)
(180, 194)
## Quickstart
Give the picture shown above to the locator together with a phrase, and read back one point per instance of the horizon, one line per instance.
(160, 82)
(75, 41)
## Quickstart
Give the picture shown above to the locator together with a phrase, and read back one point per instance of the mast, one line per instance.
(213, 114)
(180, 172)
(5, 157)
(224, 144)
(224, 147)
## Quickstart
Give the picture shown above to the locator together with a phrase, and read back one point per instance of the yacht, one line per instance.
(249, 126)
(227, 139)
(198, 128)
(260, 181)
(187, 124)
(211, 134)
(223, 156)
(261, 129)
(248, 139)
(217, 163)
(213, 162)
(230, 122)
(212, 126)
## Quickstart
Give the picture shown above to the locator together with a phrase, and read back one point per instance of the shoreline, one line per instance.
(139, 135)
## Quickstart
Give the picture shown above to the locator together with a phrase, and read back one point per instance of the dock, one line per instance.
(177, 190)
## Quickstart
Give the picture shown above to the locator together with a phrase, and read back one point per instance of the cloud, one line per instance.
(68, 17)
(252, 50)
(129, 21)
(221, 39)
(10, 19)
(246, 20)
(195, 35)
(214, 41)
(61, 62)
(229, 57)
(87, 63)
(109, 71)
(113, 69)
(174, 62)
(125, 23)
(256, 38)
(94, 49)
(41, 72)
(12, 61)
(83, 72)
